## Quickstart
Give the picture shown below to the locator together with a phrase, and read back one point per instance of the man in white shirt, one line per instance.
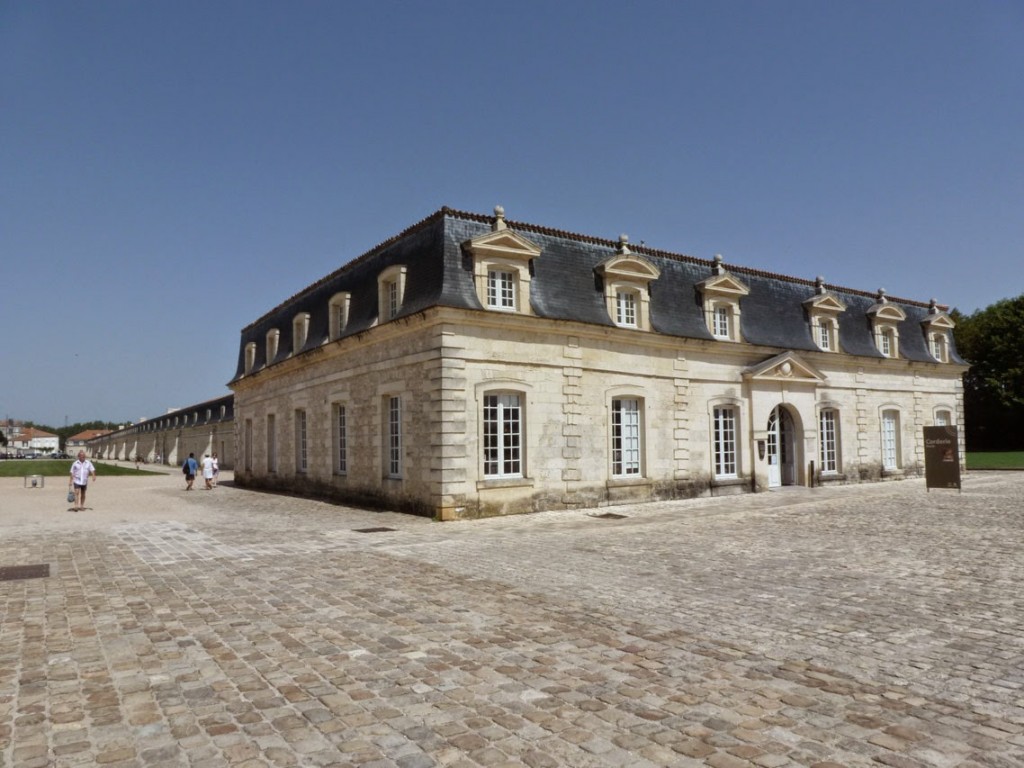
(81, 471)
(208, 471)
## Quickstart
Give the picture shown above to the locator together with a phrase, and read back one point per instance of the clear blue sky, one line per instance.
(169, 171)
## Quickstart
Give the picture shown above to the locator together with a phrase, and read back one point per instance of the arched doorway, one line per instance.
(781, 452)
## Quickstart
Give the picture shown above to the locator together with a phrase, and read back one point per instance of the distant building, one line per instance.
(80, 441)
(202, 428)
(474, 366)
(30, 441)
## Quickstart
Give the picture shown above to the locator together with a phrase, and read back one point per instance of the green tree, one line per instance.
(992, 341)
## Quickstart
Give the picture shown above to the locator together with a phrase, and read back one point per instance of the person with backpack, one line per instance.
(189, 468)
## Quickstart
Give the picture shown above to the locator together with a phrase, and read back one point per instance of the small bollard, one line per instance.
(37, 481)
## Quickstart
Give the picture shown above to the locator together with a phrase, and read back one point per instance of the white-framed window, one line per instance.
(824, 337)
(943, 418)
(886, 338)
(626, 437)
(627, 279)
(626, 308)
(300, 331)
(390, 292)
(501, 267)
(939, 343)
(301, 445)
(891, 439)
(273, 336)
(828, 441)
(393, 436)
(340, 439)
(503, 435)
(338, 314)
(726, 463)
(248, 445)
(250, 356)
(722, 321)
(271, 443)
(501, 289)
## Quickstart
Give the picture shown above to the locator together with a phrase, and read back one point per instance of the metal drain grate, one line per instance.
(609, 516)
(14, 572)
(373, 530)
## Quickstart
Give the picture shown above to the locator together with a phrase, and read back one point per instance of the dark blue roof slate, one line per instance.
(565, 286)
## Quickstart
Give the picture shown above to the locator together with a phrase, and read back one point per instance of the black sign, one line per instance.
(941, 458)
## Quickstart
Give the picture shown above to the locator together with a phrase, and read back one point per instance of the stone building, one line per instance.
(205, 427)
(475, 366)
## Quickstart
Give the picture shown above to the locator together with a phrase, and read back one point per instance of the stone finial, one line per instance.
(499, 218)
(624, 244)
(881, 296)
(719, 268)
(819, 284)
(933, 307)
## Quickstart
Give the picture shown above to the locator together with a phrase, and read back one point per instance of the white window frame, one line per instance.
(271, 443)
(273, 343)
(340, 421)
(890, 435)
(502, 447)
(828, 441)
(301, 442)
(627, 437)
(250, 356)
(248, 445)
(390, 292)
(938, 343)
(887, 341)
(502, 288)
(338, 308)
(300, 331)
(722, 321)
(393, 437)
(944, 417)
(626, 308)
(725, 442)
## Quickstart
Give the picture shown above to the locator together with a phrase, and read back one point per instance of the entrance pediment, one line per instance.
(788, 366)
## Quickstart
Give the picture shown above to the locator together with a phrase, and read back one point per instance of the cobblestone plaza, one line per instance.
(859, 625)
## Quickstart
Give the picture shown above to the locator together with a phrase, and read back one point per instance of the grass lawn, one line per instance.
(59, 468)
(995, 460)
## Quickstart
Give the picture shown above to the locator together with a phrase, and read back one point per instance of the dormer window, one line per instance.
(627, 278)
(721, 326)
(885, 318)
(338, 314)
(273, 335)
(938, 326)
(501, 267)
(721, 294)
(300, 331)
(823, 310)
(390, 292)
(250, 356)
(501, 289)
(625, 308)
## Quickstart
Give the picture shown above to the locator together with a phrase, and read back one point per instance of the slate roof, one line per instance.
(564, 287)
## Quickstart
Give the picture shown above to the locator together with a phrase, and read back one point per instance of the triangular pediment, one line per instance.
(504, 244)
(628, 267)
(940, 320)
(825, 302)
(788, 366)
(724, 285)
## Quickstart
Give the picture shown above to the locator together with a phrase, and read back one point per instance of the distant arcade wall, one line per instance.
(206, 427)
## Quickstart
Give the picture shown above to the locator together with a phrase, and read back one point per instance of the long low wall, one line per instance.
(207, 427)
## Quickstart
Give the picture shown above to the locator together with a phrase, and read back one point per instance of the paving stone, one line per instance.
(847, 626)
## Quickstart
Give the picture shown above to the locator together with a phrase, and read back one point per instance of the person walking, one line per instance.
(190, 467)
(81, 471)
(216, 470)
(208, 472)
